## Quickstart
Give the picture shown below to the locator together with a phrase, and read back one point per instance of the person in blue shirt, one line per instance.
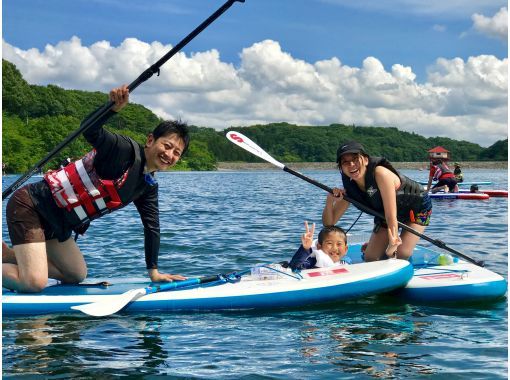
(330, 250)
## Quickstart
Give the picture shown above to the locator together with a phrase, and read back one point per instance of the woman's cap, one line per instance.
(352, 147)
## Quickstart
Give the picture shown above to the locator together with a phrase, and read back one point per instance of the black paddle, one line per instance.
(101, 111)
(247, 144)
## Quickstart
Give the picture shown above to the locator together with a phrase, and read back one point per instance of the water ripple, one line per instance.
(223, 221)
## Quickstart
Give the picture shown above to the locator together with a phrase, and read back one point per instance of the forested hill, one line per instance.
(37, 118)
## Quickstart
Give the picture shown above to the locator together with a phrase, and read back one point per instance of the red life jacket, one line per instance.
(442, 171)
(78, 188)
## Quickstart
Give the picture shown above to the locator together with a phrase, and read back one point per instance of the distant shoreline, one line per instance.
(236, 166)
(231, 166)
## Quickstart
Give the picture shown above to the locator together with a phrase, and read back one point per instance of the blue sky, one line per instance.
(354, 39)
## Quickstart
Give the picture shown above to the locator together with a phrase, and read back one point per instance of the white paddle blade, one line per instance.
(110, 305)
(244, 142)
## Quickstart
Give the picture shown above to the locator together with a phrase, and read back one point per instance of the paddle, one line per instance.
(101, 111)
(247, 144)
(110, 306)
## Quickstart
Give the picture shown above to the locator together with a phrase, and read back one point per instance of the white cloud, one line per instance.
(495, 26)
(461, 99)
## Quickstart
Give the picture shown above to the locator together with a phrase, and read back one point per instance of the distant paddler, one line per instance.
(440, 172)
(457, 171)
(42, 216)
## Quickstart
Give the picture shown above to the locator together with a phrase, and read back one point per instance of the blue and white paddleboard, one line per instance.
(267, 291)
(457, 281)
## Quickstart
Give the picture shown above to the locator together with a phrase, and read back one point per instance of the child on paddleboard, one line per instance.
(329, 249)
(374, 183)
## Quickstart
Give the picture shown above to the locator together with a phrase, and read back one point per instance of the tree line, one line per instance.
(37, 118)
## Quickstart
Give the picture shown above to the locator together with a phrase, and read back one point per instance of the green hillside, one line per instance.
(37, 118)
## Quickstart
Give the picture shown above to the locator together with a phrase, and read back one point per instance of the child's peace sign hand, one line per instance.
(307, 237)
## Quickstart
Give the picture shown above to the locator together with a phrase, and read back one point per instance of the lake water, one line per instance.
(216, 222)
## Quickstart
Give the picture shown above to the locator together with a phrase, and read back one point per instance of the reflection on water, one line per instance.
(71, 345)
(370, 337)
(220, 222)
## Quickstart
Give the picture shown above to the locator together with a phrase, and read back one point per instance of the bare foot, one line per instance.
(8, 255)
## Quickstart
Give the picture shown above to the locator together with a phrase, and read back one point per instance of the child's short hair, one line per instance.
(326, 230)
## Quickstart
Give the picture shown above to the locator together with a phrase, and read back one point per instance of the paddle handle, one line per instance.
(156, 66)
(101, 111)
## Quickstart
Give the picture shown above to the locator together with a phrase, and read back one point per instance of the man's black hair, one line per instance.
(169, 127)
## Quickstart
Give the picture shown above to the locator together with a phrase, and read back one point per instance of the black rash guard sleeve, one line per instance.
(147, 206)
(301, 259)
(114, 155)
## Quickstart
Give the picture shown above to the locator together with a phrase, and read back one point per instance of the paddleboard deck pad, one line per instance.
(282, 289)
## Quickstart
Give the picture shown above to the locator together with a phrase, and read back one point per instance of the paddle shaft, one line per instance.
(101, 111)
(181, 284)
(370, 211)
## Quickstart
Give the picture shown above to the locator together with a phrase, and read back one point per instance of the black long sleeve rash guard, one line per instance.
(114, 156)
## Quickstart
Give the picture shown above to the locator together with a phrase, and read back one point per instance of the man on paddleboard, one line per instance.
(42, 216)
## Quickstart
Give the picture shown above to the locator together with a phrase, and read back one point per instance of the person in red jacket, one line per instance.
(446, 181)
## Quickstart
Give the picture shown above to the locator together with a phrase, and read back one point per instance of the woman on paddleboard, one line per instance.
(373, 182)
(42, 216)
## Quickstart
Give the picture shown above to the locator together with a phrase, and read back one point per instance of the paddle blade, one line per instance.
(110, 305)
(244, 142)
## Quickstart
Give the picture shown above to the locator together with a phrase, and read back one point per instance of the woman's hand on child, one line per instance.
(307, 237)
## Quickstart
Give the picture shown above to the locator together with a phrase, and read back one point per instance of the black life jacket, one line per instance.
(409, 194)
(78, 188)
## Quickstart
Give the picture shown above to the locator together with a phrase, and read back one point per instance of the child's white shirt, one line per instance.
(323, 260)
